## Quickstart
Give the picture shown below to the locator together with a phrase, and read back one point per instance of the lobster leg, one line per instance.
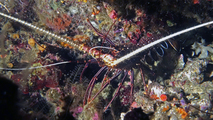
(145, 87)
(105, 77)
(100, 34)
(105, 85)
(86, 66)
(91, 84)
(132, 85)
(116, 93)
(105, 36)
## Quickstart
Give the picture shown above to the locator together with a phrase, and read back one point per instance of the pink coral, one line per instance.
(76, 111)
(95, 117)
(60, 23)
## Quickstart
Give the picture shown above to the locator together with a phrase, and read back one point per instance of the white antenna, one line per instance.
(41, 30)
(59, 63)
(120, 59)
(157, 42)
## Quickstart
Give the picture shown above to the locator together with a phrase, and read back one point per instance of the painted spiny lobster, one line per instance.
(106, 60)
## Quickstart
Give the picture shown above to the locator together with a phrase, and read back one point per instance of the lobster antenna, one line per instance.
(125, 57)
(102, 48)
(54, 64)
(41, 30)
(113, 63)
